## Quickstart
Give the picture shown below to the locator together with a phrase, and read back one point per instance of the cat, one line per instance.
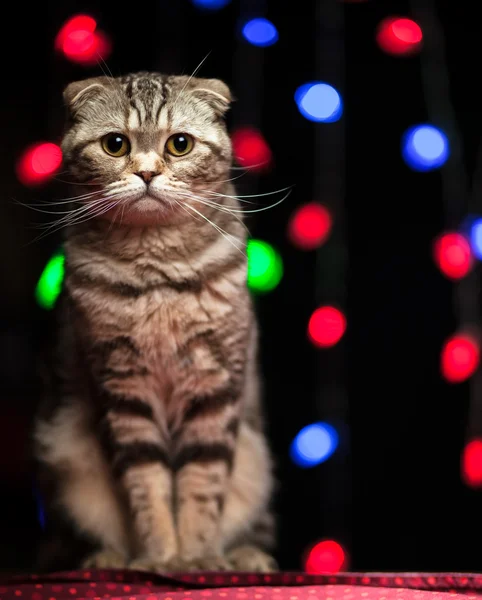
(150, 440)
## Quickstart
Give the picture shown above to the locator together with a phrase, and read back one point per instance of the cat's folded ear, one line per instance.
(78, 92)
(214, 91)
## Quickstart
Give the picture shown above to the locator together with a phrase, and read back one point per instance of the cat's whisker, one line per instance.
(248, 169)
(82, 219)
(225, 235)
(243, 211)
(190, 78)
(58, 212)
(77, 214)
(181, 205)
(86, 183)
(76, 211)
(52, 229)
(60, 201)
(289, 187)
(257, 210)
(220, 207)
(230, 179)
(108, 73)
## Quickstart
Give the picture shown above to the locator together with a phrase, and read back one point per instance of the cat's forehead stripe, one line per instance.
(147, 96)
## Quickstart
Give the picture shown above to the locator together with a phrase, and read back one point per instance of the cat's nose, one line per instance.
(146, 176)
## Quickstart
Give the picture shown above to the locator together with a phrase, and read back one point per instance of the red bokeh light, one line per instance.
(325, 557)
(38, 163)
(472, 463)
(310, 226)
(399, 36)
(250, 149)
(326, 326)
(453, 255)
(460, 358)
(81, 42)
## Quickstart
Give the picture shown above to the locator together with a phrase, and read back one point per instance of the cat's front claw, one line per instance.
(205, 563)
(105, 559)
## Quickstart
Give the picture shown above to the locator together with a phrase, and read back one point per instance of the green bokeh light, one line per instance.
(50, 283)
(265, 267)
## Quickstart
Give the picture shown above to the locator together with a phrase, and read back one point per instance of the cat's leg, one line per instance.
(134, 436)
(202, 465)
(247, 525)
(137, 450)
(81, 491)
(205, 443)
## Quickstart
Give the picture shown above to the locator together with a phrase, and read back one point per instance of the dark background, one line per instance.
(392, 494)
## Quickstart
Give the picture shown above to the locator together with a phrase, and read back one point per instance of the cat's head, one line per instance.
(148, 143)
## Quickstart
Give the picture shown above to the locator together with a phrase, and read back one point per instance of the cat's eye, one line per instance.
(179, 144)
(116, 144)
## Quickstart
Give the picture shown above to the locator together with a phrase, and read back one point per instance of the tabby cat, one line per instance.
(150, 441)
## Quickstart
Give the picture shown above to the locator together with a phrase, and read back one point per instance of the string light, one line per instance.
(49, 285)
(475, 235)
(313, 445)
(260, 32)
(326, 326)
(452, 255)
(399, 36)
(265, 267)
(80, 40)
(319, 102)
(425, 147)
(251, 149)
(38, 163)
(327, 556)
(472, 463)
(459, 358)
(310, 226)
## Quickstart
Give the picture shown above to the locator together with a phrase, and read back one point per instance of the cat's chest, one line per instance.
(170, 328)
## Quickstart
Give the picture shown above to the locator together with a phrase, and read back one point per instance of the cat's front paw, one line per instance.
(205, 563)
(105, 559)
(251, 558)
(151, 565)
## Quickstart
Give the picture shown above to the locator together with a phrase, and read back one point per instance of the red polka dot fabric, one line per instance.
(131, 585)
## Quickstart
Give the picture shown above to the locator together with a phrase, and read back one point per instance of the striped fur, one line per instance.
(151, 436)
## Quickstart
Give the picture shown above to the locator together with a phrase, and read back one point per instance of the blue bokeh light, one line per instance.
(476, 237)
(313, 445)
(260, 32)
(211, 4)
(319, 102)
(425, 147)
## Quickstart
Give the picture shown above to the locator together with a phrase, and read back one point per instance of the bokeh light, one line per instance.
(81, 42)
(453, 255)
(38, 163)
(460, 358)
(313, 445)
(319, 102)
(425, 147)
(472, 464)
(326, 326)
(309, 226)
(265, 267)
(260, 32)
(211, 4)
(399, 36)
(50, 282)
(475, 234)
(250, 149)
(327, 556)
